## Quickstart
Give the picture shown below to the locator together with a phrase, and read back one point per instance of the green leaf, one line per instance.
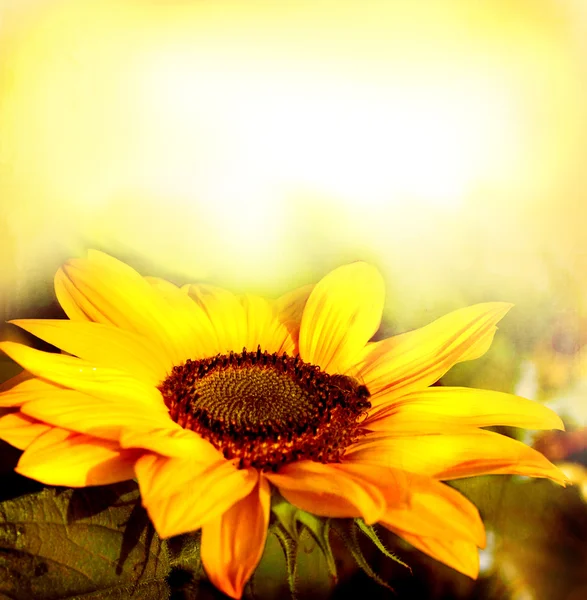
(347, 531)
(295, 520)
(184, 551)
(289, 545)
(286, 515)
(314, 579)
(86, 543)
(148, 590)
(187, 571)
(370, 532)
(319, 528)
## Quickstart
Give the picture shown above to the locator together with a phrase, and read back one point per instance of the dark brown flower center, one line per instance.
(266, 409)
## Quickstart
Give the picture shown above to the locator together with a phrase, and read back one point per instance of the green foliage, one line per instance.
(93, 543)
(294, 521)
(290, 548)
(291, 522)
(370, 532)
(288, 527)
(347, 530)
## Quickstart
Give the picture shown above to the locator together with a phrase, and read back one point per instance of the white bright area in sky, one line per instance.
(249, 141)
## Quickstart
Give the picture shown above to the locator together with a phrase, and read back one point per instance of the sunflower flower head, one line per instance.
(266, 410)
(212, 401)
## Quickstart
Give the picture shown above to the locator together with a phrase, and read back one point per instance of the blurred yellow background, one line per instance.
(259, 144)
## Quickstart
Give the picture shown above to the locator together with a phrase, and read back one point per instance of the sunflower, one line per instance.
(211, 400)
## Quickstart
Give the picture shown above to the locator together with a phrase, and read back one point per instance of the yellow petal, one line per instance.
(241, 322)
(233, 543)
(454, 455)
(290, 308)
(182, 495)
(264, 327)
(420, 504)
(435, 510)
(329, 492)
(341, 315)
(172, 441)
(458, 554)
(226, 313)
(439, 406)
(25, 387)
(392, 483)
(11, 383)
(88, 290)
(105, 290)
(103, 345)
(195, 333)
(160, 476)
(415, 360)
(20, 431)
(72, 301)
(79, 412)
(74, 373)
(60, 457)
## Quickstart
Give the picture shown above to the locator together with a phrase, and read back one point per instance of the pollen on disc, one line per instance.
(266, 409)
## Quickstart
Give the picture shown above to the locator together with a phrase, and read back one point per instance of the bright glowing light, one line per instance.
(195, 128)
(392, 138)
